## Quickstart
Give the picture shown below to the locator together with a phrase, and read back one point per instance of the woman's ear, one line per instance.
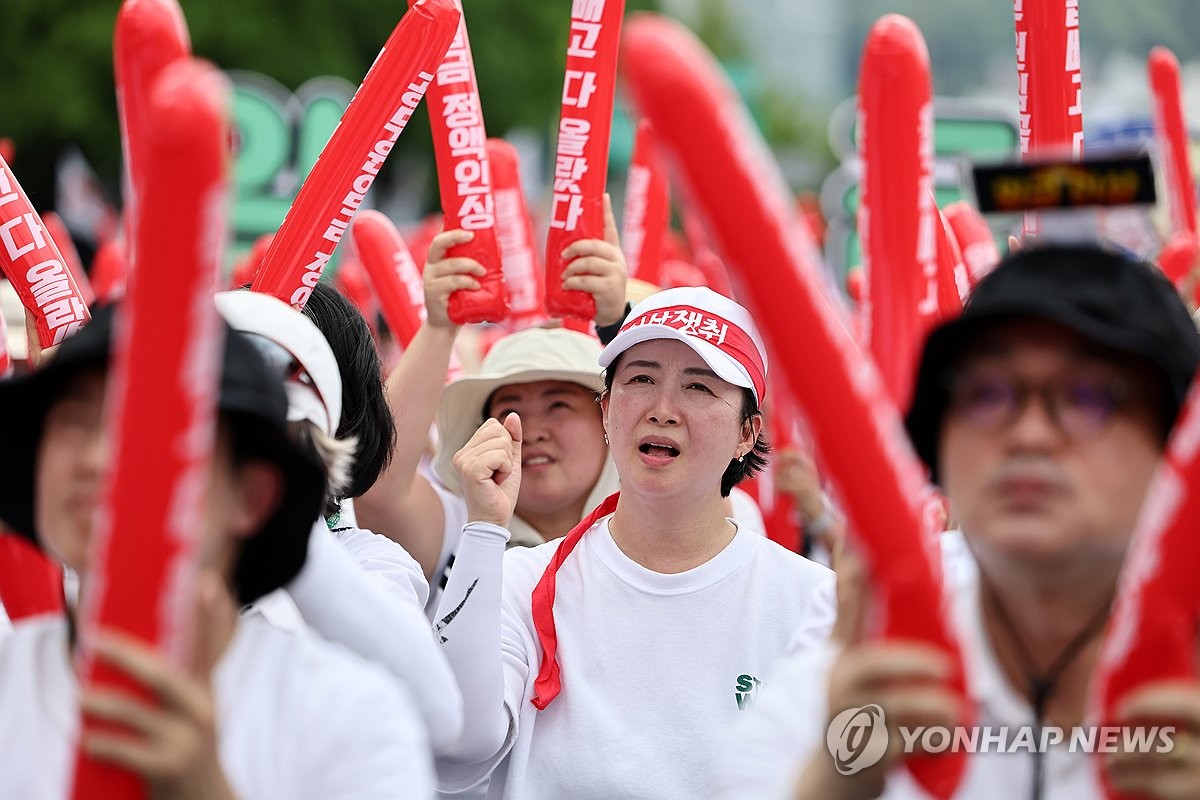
(751, 428)
(258, 490)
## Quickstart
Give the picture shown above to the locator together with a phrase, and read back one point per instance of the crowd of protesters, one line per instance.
(544, 577)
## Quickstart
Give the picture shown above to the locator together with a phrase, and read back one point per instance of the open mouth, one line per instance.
(659, 450)
(537, 461)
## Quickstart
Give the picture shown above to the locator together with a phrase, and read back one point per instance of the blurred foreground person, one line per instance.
(262, 713)
(1042, 413)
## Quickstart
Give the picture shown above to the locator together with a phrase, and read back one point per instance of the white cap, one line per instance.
(718, 329)
(313, 383)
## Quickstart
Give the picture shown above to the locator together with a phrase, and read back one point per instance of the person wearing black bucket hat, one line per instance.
(262, 712)
(1042, 413)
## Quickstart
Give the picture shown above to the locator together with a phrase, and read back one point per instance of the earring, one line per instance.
(606, 438)
(741, 458)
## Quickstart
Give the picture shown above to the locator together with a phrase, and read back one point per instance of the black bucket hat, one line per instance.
(250, 398)
(1105, 296)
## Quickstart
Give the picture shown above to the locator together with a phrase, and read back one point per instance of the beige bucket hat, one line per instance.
(534, 354)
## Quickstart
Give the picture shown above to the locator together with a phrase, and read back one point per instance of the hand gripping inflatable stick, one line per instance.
(581, 160)
(162, 390)
(35, 267)
(1152, 631)
(465, 179)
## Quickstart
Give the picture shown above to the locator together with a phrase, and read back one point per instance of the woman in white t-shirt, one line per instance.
(608, 663)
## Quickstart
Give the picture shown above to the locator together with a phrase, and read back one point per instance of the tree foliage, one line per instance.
(56, 56)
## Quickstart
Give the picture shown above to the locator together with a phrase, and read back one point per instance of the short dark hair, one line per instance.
(751, 464)
(365, 412)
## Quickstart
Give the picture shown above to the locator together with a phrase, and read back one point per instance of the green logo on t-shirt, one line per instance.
(745, 691)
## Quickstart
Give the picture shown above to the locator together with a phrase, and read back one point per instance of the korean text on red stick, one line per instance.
(465, 179)
(1152, 631)
(1049, 82)
(162, 397)
(523, 273)
(56, 229)
(392, 272)
(148, 36)
(1170, 128)
(897, 216)
(647, 207)
(855, 425)
(335, 188)
(581, 160)
(35, 268)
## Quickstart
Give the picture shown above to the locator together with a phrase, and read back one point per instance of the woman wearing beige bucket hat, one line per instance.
(549, 375)
(610, 662)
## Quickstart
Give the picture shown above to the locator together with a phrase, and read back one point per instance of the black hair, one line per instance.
(365, 412)
(751, 464)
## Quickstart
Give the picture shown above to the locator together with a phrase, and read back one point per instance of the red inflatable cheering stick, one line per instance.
(465, 179)
(974, 239)
(1050, 83)
(1152, 631)
(953, 283)
(35, 268)
(109, 270)
(6, 361)
(30, 582)
(354, 154)
(148, 36)
(1171, 131)
(897, 217)
(523, 272)
(581, 161)
(57, 230)
(768, 248)
(390, 268)
(647, 207)
(161, 414)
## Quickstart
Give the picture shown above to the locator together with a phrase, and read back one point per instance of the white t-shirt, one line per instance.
(378, 555)
(768, 747)
(297, 718)
(454, 512)
(654, 666)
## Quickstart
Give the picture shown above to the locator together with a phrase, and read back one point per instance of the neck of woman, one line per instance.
(670, 537)
(556, 524)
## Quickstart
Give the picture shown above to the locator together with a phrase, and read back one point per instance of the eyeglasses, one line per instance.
(1079, 404)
